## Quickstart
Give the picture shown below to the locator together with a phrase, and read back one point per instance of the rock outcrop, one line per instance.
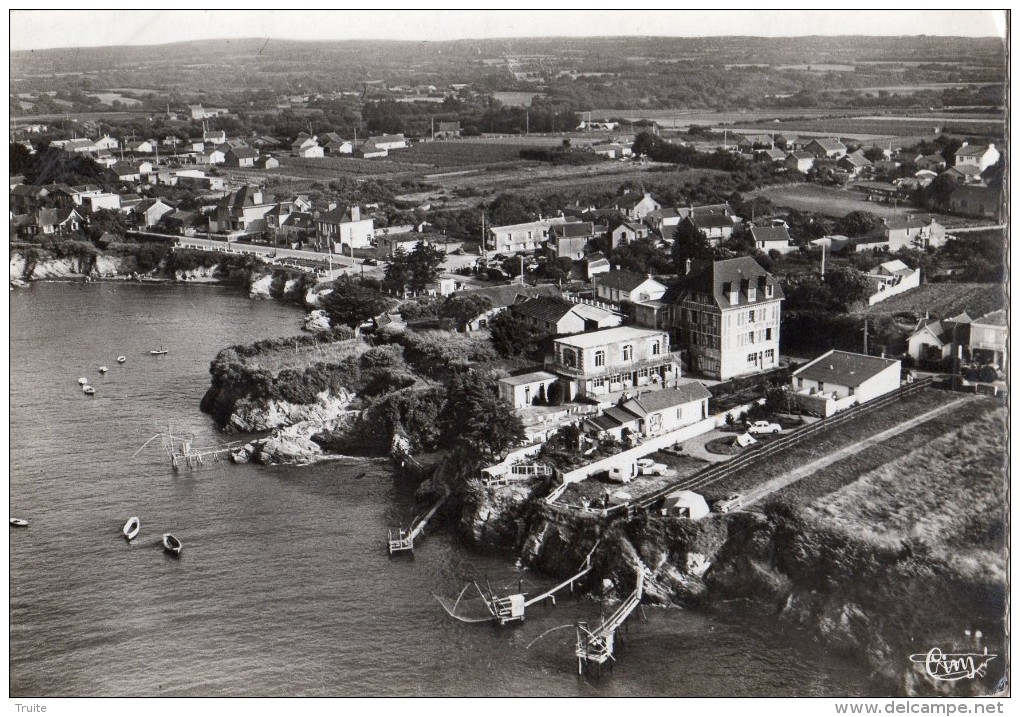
(328, 413)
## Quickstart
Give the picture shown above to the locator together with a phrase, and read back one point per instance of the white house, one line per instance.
(838, 380)
(934, 341)
(521, 391)
(619, 286)
(768, 239)
(970, 155)
(345, 229)
(892, 278)
(654, 412)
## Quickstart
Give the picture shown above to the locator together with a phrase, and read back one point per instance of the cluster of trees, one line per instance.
(412, 273)
(351, 302)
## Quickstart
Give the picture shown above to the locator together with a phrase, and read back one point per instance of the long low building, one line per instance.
(839, 379)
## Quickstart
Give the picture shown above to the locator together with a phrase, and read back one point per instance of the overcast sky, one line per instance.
(36, 29)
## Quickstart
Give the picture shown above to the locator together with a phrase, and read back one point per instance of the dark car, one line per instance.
(371, 262)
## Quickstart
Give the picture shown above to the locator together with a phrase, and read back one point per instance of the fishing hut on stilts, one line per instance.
(594, 647)
(180, 449)
(511, 608)
(401, 540)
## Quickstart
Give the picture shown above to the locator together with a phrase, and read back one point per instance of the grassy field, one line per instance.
(943, 299)
(871, 127)
(944, 483)
(302, 357)
(835, 202)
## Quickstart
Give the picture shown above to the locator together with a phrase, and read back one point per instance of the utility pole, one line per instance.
(823, 261)
(527, 122)
(865, 337)
(522, 270)
(433, 120)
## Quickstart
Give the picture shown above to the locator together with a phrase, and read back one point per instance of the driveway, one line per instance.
(695, 447)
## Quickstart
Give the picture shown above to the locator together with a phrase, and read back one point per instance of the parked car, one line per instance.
(760, 427)
(459, 251)
(648, 467)
(371, 262)
(623, 474)
(731, 502)
(498, 257)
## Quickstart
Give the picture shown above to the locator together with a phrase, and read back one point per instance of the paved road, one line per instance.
(769, 487)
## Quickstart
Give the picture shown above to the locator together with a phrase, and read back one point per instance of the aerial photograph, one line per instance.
(505, 354)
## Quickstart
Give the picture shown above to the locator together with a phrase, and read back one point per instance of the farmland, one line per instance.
(943, 483)
(943, 299)
(871, 128)
(458, 153)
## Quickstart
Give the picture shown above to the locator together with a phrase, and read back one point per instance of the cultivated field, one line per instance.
(943, 299)
(875, 128)
(945, 484)
(459, 153)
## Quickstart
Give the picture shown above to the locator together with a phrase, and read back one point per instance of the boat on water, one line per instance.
(131, 527)
(158, 352)
(171, 544)
(18, 522)
(88, 390)
(121, 359)
(103, 369)
(83, 381)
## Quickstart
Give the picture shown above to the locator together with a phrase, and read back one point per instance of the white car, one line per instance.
(732, 502)
(759, 427)
(648, 467)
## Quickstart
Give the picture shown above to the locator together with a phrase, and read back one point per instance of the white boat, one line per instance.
(103, 369)
(83, 381)
(121, 359)
(88, 390)
(18, 522)
(171, 544)
(132, 527)
(158, 352)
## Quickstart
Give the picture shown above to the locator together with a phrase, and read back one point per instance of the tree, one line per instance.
(848, 285)
(462, 308)
(874, 154)
(689, 243)
(475, 418)
(641, 256)
(424, 262)
(512, 336)
(20, 158)
(106, 221)
(352, 304)
(858, 223)
(398, 273)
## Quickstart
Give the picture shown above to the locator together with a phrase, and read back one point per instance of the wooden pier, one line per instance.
(181, 451)
(511, 608)
(401, 540)
(595, 647)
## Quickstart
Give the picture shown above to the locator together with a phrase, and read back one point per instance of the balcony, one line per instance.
(613, 368)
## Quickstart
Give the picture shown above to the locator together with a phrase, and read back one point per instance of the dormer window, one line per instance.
(769, 291)
(752, 293)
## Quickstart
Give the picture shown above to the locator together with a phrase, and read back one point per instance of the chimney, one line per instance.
(355, 213)
(963, 145)
(991, 145)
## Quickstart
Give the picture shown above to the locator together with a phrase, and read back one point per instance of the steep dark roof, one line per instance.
(667, 398)
(712, 278)
(770, 234)
(914, 221)
(622, 280)
(243, 152)
(506, 295)
(972, 150)
(710, 220)
(844, 369)
(544, 308)
(337, 215)
(829, 144)
(572, 229)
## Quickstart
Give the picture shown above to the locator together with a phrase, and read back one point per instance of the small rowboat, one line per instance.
(88, 390)
(171, 544)
(121, 359)
(132, 527)
(158, 352)
(18, 522)
(103, 369)
(83, 381)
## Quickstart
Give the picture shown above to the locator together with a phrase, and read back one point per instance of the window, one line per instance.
(851, 391)
(628, 352)
(600, 358)
(598, 383)
(655, 348)
(529, 235)
(750, 316)
(769, 291)
(768, 335)
(800, 383)
(751, 358)
(569, 358)
(821, 386)
(752, 293)
(750, 337)
(770, 356)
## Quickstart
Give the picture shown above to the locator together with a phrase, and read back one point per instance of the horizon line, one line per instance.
(493, 38)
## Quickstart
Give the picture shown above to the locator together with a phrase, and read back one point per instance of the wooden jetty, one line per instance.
(511, 608)
(401, 540)
(180, 449)
(595, 647)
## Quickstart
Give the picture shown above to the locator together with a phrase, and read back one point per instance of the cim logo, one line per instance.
(953, 666)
